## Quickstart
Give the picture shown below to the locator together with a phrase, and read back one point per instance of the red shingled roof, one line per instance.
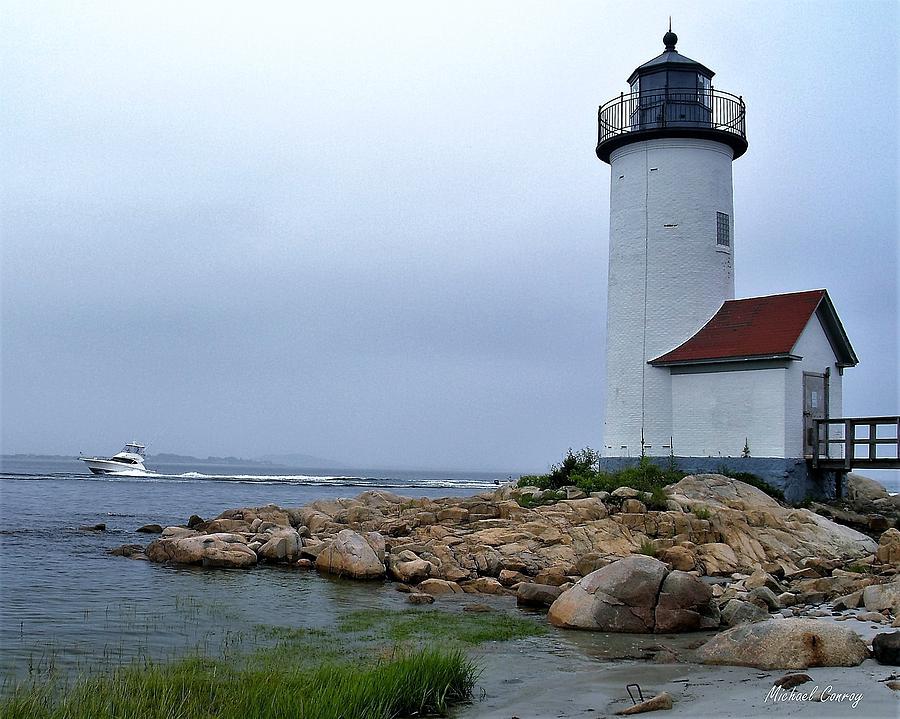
(761, 328)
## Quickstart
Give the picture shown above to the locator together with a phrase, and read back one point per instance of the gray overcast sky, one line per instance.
(377, 232)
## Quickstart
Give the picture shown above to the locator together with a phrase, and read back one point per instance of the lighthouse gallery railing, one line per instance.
(689, 108)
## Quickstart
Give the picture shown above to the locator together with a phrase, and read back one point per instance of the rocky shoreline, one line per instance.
(721, 555)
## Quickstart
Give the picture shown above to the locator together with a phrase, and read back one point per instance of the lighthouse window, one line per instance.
(723, 234)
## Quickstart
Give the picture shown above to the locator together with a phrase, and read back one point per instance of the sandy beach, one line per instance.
(531, 680)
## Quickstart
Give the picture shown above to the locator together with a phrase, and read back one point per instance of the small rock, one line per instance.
(893, 684)
(886, 647)
(634, 506)
(150, 529)
(759, 578)
(882, 597)
(419, 598)
(538, 595)
(591, 562)
(888, 551)
(660, 701)
(626, 493)
(195, 521)
(765, 598)
(789, 681)
(848, 601)
(477, 608)
(132, 551)
(737, 612)
(93, 528)
(862, 490)
(436, 587)
(876, 617)
(680, 558)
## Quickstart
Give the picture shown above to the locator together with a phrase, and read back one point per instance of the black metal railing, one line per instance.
(851, 442)
(674, 108)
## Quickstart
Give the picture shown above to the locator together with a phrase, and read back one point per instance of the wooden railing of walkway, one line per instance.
(848, 443)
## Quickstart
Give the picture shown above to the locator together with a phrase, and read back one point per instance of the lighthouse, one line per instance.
(691, 372)
(670, 143)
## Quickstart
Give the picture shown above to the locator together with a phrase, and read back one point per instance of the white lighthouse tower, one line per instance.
(670, 143)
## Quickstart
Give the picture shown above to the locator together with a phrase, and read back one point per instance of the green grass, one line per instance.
(700, 512)
(408, 684)
(415, 625)
(374, 664)
(547, 497)
(648, 547)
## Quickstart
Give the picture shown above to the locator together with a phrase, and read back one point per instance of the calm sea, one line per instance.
(68, 605)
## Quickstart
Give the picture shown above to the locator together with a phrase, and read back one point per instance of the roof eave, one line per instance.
(722, 360)
(834, 330)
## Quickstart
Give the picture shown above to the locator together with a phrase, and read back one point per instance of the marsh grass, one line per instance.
(373, 664)
(413, 625)
(425, 682)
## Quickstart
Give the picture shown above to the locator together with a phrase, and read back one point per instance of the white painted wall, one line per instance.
(816, 353)
(667, 276)
(716, 412)
(716, 408)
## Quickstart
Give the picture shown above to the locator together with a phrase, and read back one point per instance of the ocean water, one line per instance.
(67, 605)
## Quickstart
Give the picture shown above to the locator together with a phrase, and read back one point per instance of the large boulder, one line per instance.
(283, 545)
(862, 491)
(350, 555)
(636, 594)
(758, 529)
(684, 605)
(786, 644)
(209, 550)
(620, 597)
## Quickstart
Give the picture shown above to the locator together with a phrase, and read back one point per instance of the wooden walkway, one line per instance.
(849, 443)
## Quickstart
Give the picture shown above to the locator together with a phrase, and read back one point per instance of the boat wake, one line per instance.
(315, 480)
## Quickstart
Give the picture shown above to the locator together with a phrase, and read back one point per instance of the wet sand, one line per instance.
(578, 674)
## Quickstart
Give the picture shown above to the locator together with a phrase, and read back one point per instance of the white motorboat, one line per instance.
(130, 459)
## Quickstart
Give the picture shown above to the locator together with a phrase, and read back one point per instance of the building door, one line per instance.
(815, 406)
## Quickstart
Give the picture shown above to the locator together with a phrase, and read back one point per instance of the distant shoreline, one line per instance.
(164, 458)
(312, 463)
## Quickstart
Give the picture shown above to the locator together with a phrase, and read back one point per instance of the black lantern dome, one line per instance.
(672, 96)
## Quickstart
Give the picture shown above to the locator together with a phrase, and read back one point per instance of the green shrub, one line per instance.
(700, 512)
(541, 481)
(529, 501)
(648, 547)
(582, 469)
(658, 500)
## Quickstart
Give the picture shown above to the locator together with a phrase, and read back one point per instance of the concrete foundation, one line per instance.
(792, 476)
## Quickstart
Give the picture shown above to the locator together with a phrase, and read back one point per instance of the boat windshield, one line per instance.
(134, 449)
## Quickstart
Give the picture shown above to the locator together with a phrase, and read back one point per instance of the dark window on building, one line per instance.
(723, 229)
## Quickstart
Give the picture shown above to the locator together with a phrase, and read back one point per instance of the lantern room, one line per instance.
(672, 96)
